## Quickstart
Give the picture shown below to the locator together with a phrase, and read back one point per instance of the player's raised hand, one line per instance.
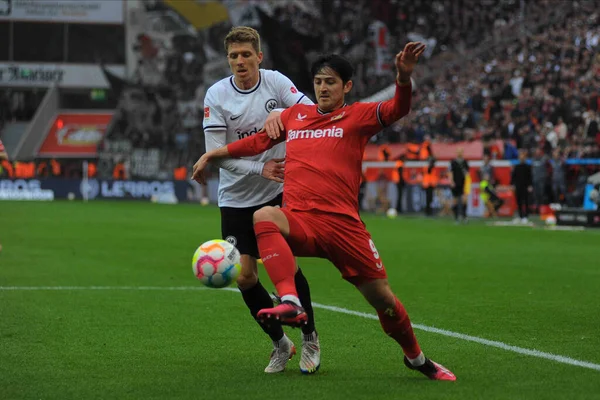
(274, 170)
(198, 172)
(407, 59)
(273, 124)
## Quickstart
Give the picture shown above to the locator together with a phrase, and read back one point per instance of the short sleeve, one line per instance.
(213, 115)
(287, 91)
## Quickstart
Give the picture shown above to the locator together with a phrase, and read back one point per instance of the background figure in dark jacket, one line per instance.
(559, 177)
(539, 171)
(522, 181)
(429, 184)
(459, 169)
(400, 183)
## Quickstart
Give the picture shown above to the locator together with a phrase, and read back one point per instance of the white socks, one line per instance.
(281, 342)
(292, 298)
(417, 362)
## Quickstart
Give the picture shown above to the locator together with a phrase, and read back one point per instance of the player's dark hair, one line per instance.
(337, 63)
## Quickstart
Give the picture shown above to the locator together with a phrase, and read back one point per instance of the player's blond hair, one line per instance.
(242, 34)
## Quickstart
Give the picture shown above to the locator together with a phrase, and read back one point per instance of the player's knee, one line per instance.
(247, 279)
(378, 293)
(248, 276)
(384, 299)
(264, 214)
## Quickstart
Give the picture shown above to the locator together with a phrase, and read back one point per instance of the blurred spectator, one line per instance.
(522, 182)
(559, 180)
(539, 171)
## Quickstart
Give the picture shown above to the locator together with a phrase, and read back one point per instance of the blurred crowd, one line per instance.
(19, 105)
(359, 29)
(540, 90)
(526, 73)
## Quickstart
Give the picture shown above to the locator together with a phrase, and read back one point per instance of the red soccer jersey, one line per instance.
(324, 151)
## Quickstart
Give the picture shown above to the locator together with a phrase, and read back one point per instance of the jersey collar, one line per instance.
(328, 112)
(251, 90)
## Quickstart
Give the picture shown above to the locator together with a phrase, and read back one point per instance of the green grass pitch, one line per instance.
(523, 287)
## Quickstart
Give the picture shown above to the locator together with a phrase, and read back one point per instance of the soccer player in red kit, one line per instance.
(319, 217)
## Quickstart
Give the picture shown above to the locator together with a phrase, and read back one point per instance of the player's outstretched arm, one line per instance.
(199, 170)
(396, 108)
(216, 138)
(250, 146)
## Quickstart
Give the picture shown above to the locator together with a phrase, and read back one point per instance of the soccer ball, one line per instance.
(392, 213)
(216, 263)
(551, 220)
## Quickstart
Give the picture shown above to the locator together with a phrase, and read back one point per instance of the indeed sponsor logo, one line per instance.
(241, 134)
(333, 132)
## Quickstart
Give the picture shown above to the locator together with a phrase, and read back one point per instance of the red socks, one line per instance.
(277, 257)
(281, 267)
(396, 324)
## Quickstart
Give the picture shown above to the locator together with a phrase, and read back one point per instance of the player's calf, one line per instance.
(392, 315)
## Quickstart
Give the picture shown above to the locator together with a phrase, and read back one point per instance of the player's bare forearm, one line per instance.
(217, 154)
(199, 171)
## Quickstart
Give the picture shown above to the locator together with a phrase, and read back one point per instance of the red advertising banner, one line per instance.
(75, 135)
(2, 151)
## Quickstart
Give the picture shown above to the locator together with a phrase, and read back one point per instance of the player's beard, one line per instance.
(328, 103)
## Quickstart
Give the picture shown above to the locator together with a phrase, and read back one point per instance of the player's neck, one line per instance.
(246, 84)
(332, 109)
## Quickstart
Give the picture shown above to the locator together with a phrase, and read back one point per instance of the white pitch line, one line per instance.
(444, 332)
(469, 338)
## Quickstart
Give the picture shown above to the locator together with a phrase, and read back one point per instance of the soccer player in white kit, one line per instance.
(234, 108)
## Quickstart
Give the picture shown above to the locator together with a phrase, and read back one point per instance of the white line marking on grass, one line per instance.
(431, 329)
(469, 338)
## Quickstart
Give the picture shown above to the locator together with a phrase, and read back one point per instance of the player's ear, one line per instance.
(260, 56)
(348, 87)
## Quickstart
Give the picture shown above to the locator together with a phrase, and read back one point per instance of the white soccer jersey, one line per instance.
(231, 114)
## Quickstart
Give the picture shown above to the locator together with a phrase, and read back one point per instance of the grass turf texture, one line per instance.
(524, 287)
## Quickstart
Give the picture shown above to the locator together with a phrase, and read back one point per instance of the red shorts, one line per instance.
(338, 238)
